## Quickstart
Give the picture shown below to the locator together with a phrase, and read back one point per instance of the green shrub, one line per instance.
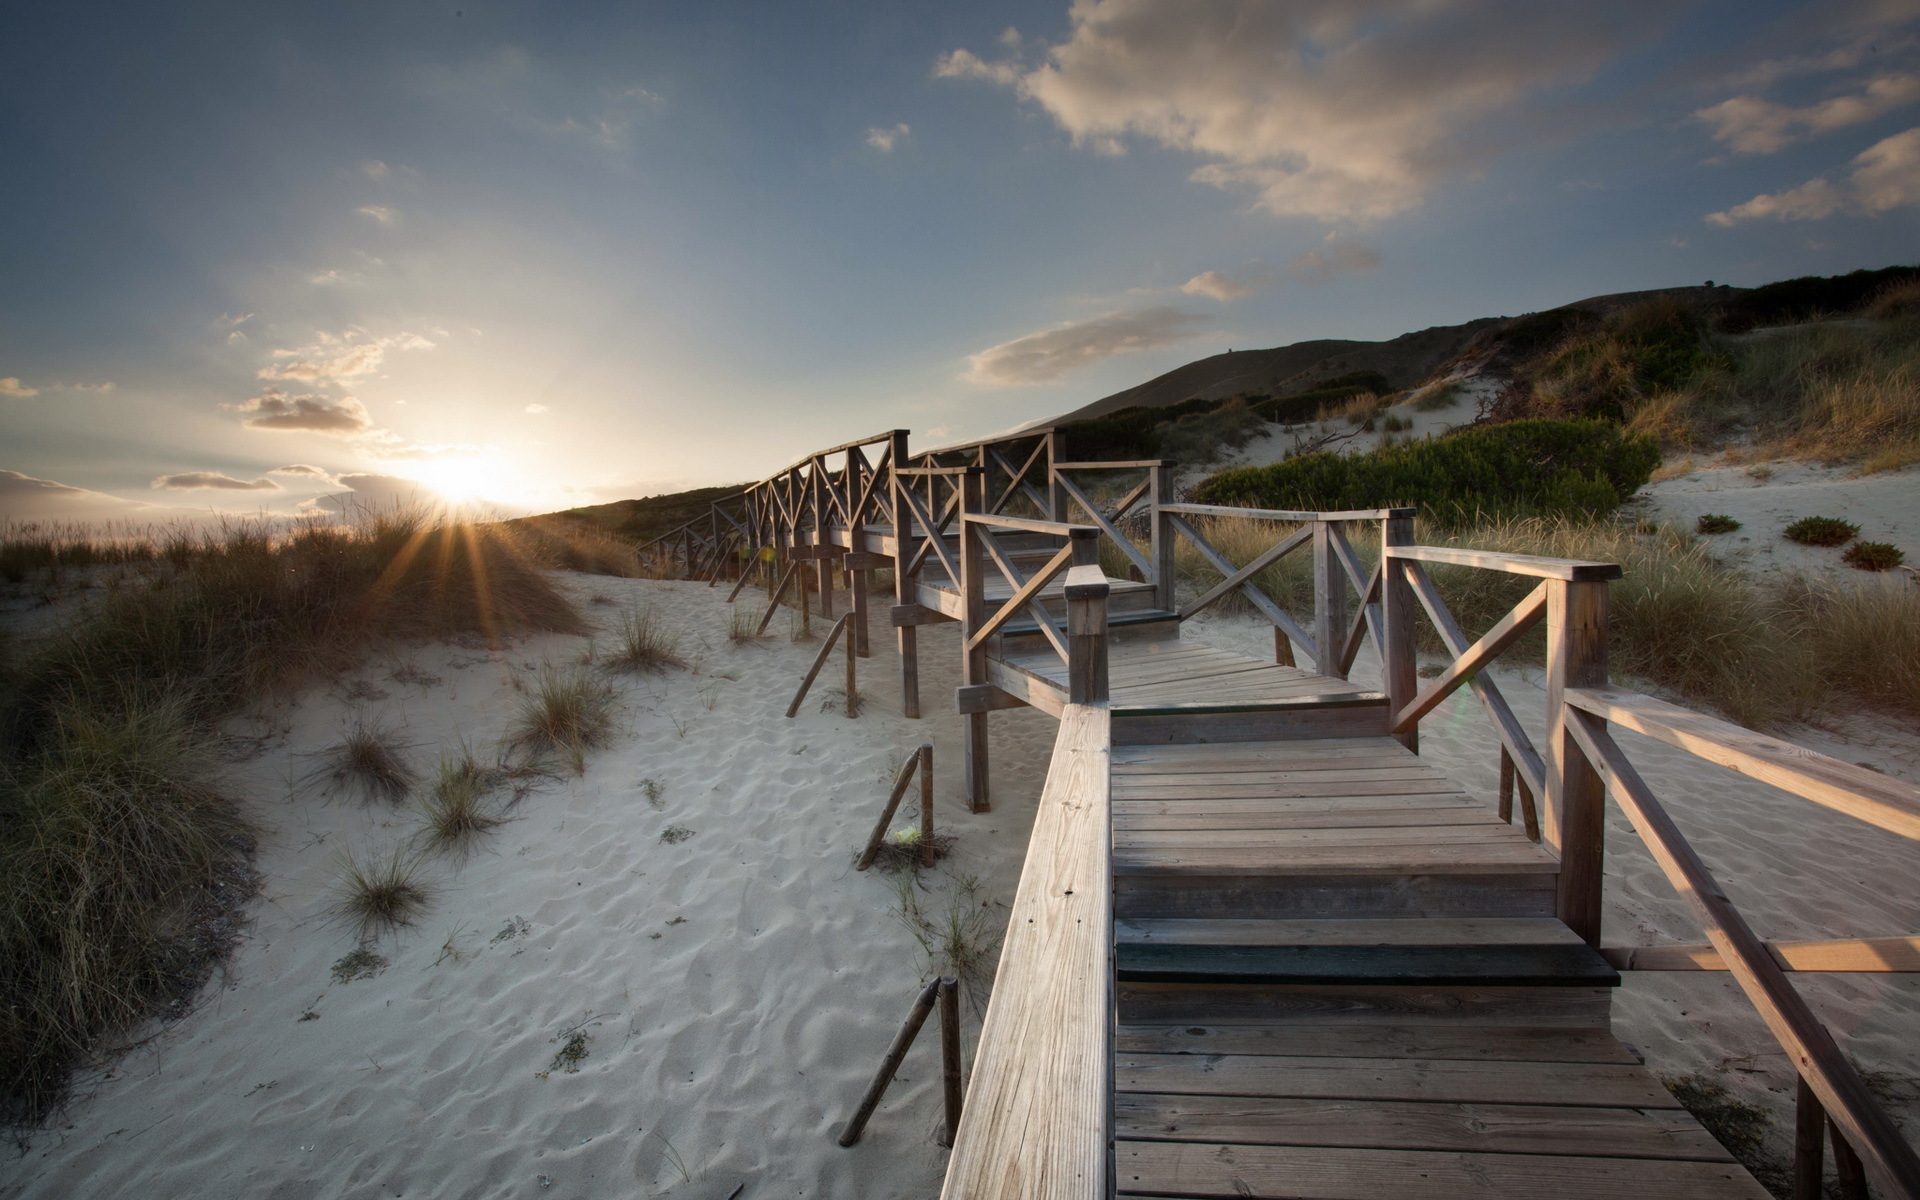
(1519, 468)
(1820, 531)
(1613, 369)
(1873, 556)
(1716, 523)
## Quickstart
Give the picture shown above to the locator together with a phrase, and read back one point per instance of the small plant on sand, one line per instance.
(361, 962)
(379, 893)
(1820, 531)
(673, 835)
(1438, 397)
(1873, 556)
(959, 942)
(1737, 1125)
(900, 850)
(799, 627)
(566, 711)
(369, 759)
(1716, 523)
(651, 789)
(456, 804)
(743, 626)
(1395, 423)
(643, 645)
(573, 1042)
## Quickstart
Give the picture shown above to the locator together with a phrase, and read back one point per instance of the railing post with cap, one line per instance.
(1576, 808)
(1399, 674)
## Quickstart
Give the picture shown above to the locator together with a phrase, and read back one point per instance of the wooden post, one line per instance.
(1282, 647)
(1329, 603)
(1399, 674)
(973, 663)
(905, 590)
(803, 574)
(1576, 798)
(1809, 1141)
(853, 685)
(859, 583)
(902, 1042)
(1086, 592)
(1160, 549)
(820, 660)
(1847, 1165)
(1057, 501)
(950, 1055)
(925, 757)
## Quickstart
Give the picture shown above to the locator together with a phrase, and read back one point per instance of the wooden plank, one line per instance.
(1866, 795)
(1284, 843)
(1362, 719)
(1475, 658)
(1323, 896)
(1495, 1007)
(1524, 858)
(1312, 806)
(1191, 815)
(1547, 966)
(1458, 931)
(1506, 1043)
(1896, 954)
(1035, 1122)
(1231, 760)
(1413, 785)
(1139, 755)
(1407, 1125)
(1204, 1170)
(1260, 777)
(1275, 514)
(1554, 1083)
(1513, 564)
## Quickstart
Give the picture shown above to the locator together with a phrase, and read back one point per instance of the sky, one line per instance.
(261, 257)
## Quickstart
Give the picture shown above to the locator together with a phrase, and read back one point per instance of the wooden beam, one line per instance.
(1475, 658)
(984, 697)
(1866, 795)
(1275, 514)
(1259, 599)
(1572, 570)
(1274, 554)
(1899, 955)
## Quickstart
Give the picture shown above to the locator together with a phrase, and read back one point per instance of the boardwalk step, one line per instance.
(1460, 931)
(1410, 966)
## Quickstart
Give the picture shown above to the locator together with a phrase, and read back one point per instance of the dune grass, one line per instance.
(455, 806)
(567, 711)
(375, 894)
(369, 760)
(644, 645)
(113, 839)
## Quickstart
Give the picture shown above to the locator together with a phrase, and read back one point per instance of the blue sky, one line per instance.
(552, 254)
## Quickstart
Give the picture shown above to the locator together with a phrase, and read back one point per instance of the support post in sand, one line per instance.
(774, 594)
(920, 760)
(950, 1055)
(820, 660)
(853, 686)
(902, 1041)
(904, 587)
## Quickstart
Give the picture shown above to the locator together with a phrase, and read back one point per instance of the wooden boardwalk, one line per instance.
(1261, 948)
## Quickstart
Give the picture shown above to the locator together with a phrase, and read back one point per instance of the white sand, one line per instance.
(745, 981)
(731, 1045)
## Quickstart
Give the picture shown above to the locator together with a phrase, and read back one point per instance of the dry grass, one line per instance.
(644, 645)
(959, 939)
(456, 809)
(377, 894)
(743, 624)
(369, 760)
(568, 711)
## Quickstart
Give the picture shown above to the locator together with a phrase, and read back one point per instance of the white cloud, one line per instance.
(89, 387)
(380, 213)
(1331, 109)
(1340, 258)
(1751, 125)
(305, 470)
(195, 480)
(25, 498)
(275, 411)
(373, 168)
(372, 493)
(537, 408)
(884, 139)
(11, 386)
(337, 357)
(1219, 287)
(1049, 354)
(1884, 176)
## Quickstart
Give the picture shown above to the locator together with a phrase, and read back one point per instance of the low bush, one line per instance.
(1820, 531)
(1716, 523)
(1873, 556)
(1519, 468)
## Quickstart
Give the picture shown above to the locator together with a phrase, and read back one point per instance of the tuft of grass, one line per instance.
(380, 893)
(370, 760)
(361, 962)
(959, 939)
(644, 645)
(455, 807)
(1820, 531)
(1394, 423)
(673, 835)
(1439, 397)
(568, 711)
(900, 850)
(1735, 1124)
(743, 625)
(1716, 523)
(1873, 556)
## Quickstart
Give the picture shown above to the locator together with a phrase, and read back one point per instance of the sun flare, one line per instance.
(456, 478)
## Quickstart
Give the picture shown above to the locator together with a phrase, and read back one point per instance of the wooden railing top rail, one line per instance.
(1513, 564)
(1004, 438)
(1127, 465)
(938, 470)
(1036, 1123)
(1843, 787)
(1278, 514)
(1030, 525)
(808, 459)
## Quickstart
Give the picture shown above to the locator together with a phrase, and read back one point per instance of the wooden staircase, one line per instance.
(1338, 976)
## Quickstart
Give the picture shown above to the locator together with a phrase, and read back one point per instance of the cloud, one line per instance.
(1219, 287)
(25, 498)
(274, 410)
(192, 480)
(380, 213)
(372, 493)
(337, 357)
(304, 469)
(89, 387)
(11, 386)
(1751, 125)
(373, 168)
(1340, 258)
(1044, 356)
(537, 408)
(1885, 176)
(1330, 109)
(884, 139)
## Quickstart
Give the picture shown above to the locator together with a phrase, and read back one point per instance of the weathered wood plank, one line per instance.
(1191, 815)
(1303, 1173)
(1485, 859)
(1320, 897)
(1399, 966)
(1472, 1043)
(1162, 1003)
(1457, 931)
(1406, 1125)
(1608, 1085)
(1898, 954)
(1283, 843)
(1127, 790)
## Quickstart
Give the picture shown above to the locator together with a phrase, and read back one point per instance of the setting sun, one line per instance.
(457, 478)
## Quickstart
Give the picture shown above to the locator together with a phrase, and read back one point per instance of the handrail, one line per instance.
(1865, 795)
(1028, 525)
(1037, 1120)
(1117, 465)
(1513, 564)
(1277, 514)
(1829, 1078)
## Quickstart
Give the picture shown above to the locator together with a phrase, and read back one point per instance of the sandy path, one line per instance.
(744, 982)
